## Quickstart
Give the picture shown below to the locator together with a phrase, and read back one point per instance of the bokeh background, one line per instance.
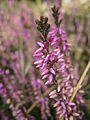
(17, 25)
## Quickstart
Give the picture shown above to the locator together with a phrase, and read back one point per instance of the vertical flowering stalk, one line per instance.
(53, 60)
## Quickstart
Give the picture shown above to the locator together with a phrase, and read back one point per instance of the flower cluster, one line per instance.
(53, 59)
(13, 98)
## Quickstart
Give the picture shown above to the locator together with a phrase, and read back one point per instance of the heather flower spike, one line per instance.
(53, 60)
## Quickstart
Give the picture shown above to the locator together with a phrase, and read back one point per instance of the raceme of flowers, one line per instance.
(53, 60)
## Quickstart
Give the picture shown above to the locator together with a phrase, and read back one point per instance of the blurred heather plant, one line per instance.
(15, 32)
(19, 87)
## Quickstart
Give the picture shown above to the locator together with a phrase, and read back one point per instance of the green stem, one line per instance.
(22, 63)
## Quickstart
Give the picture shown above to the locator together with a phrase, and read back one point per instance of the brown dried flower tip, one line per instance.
(55, 13)
(43, 26)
